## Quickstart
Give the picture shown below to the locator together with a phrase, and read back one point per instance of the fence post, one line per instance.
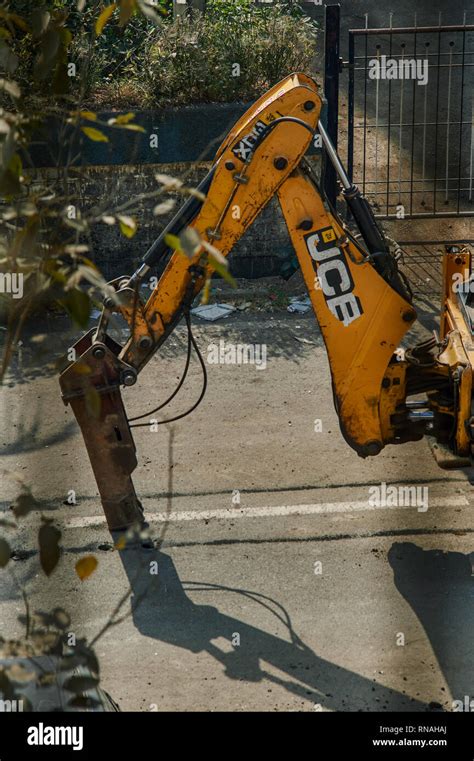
(350, 108)
(331, 93)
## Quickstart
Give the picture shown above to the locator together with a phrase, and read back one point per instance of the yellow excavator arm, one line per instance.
(361, 301)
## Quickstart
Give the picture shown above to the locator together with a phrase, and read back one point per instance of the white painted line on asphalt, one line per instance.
(276, 511)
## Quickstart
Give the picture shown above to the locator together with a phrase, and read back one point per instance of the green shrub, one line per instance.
(196, 59)
(189, 59)
(101, 61)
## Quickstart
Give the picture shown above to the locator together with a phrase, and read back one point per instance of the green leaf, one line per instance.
(171, 183)
(123, 121)
(89, 115)
(133, 127)
(104, 17)
(78, 306)
(48, 540)
(222, 270)
(81, 368)
(164, 207)
(173, 242)
(15, 166)
(206, 291)
(9, 184)
(95, 134)
(124, 118)
(5, 553)
(128, 226)
(126, 9)
(218, 263)
(196, 194)
(190, 241)
(18, 20)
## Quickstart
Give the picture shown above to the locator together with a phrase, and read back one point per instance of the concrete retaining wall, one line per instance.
(110, 173)
(264, 250)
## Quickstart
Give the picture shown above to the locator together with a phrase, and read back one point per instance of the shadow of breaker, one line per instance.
(439, 587)
(163, 610)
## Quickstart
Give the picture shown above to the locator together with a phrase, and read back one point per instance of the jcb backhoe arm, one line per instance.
(362, 304)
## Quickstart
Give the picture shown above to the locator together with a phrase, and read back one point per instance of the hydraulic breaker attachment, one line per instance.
(91, 385)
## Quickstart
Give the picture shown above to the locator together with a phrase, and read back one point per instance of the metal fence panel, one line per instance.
(411, 119)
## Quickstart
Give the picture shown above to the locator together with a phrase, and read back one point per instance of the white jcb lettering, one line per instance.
(334, 278)
(346, 308)
(330, 267)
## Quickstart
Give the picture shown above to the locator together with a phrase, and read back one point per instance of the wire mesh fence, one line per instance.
(411, 118)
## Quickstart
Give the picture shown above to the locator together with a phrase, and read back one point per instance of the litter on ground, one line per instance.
(299, 305)
(213, 312)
